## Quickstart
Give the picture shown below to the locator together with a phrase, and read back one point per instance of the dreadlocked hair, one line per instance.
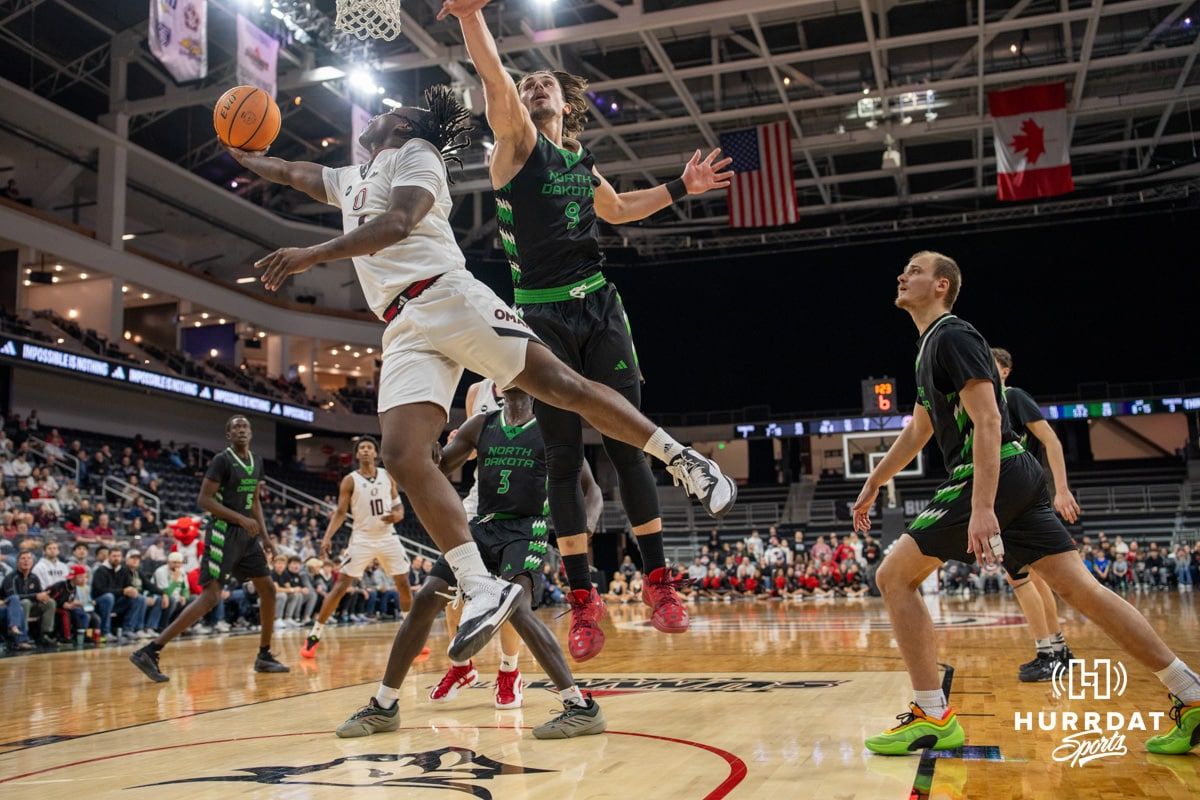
(445, 124)
(574, 90)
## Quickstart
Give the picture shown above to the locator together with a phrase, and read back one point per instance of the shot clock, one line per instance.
(879, 396)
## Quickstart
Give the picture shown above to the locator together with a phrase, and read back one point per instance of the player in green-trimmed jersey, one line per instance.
(510, 531)
(231, 494)
(549, 198)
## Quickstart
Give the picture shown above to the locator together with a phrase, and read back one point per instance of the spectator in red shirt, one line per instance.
(843, 551)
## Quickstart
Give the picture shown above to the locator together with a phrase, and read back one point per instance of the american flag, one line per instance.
(762, 192)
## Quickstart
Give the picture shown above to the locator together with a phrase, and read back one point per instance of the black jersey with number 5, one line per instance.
(237, 478)
(511, 468)
(547, 218)
(950, 354)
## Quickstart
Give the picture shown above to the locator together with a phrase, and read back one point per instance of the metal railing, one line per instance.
(38, 448)
(127, 491)
(1120, 499)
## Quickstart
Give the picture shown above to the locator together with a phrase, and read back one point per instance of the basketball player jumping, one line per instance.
(233, 545)
(549, 197)
(372, 495)
(994, 507)
(1033, 595)
(440, 319)
(511, 532)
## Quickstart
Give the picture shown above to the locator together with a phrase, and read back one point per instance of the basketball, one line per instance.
(246, 118)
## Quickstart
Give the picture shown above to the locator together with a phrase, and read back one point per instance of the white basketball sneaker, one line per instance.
(703, 480)
(489, 602)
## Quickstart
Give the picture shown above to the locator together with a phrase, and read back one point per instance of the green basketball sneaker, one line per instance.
(573, 721)
(917, 731)
(1184, 735)
(369, 719)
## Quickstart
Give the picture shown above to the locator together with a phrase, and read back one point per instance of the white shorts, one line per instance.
(458, 322)
(362, 551)
(471, 501)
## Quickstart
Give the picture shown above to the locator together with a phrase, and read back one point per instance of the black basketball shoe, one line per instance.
(1040, 669)
(146, 659)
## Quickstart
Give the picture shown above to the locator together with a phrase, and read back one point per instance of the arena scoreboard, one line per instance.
(879, 396)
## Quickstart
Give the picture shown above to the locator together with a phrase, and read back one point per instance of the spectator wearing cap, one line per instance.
(79, 557)
(22, 590)
(82, 608)
(114, 593)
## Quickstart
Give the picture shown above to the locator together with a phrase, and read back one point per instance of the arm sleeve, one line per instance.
(418, 164)
(333, 186)
(964, 356)
(218, 469)
(1021, 407)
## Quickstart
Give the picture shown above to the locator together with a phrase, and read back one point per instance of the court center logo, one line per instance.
(453, 769)
(1089, 735)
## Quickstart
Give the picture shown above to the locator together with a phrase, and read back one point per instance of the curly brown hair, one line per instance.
(574, 90)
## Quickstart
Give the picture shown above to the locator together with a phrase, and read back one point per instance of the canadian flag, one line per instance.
(1033, 156)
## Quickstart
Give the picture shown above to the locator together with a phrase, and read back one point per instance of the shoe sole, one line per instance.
(145, 668)
(520, 701)
(598, 725)
(264, 670)
(589, 655)
(464, 649)
(306, 653)
(360, 729)
(930, 741)
(732, 500)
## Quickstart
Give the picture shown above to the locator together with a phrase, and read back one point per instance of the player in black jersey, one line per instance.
(549, 198)
(511, 533)
(1033, 595)
(233, 545)
(994, 507)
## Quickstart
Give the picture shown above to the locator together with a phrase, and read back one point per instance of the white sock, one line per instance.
(662, 446)
(508, 663)
(932, 703)
(572, 696)
(1180, 681)
(386, 696)
(466, 562)
(318, 628)
(1046, 645)
(1059, 641)
(454, 663)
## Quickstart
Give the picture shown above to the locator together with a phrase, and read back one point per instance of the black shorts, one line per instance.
(591, 335)
(232, 552)
(1029, 527)
(510, 547)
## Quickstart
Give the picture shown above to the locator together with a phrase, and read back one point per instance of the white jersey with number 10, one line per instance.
(371, 500)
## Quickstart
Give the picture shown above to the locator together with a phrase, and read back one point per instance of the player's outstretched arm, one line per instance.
(345, 490)
(906, 447)
(408, 206)
(458, 452)
(506, 116)
(699, 176)
(303, 176)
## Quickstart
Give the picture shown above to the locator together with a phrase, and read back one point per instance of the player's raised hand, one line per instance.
(241, 155)
(460, 8)
(283, 263)
(863, 506)
(703, 174)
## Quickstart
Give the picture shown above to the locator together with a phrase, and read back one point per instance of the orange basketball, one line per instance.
(246, 118)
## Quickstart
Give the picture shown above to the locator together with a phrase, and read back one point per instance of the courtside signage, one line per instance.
(101, 369)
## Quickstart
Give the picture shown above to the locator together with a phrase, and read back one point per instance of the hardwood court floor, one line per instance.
(760, 700)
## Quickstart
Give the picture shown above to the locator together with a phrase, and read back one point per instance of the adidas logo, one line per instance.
(9, 349)
(621, 365)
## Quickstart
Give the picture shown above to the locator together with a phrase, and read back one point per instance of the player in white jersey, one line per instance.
(370, 496)
(440, 320)
(483, 397)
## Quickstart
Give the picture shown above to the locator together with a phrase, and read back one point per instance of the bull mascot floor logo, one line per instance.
(454, 769)
(1090, 735)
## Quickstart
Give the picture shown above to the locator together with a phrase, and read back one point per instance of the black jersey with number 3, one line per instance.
(237, 478)
(950, 354)
(547, 218)
(511, 468)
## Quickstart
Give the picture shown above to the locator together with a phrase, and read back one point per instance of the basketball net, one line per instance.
(369, 19)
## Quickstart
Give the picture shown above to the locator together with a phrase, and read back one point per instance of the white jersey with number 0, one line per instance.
(364, 191)
(371, 500)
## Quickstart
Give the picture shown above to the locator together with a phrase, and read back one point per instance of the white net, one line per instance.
(369, 19)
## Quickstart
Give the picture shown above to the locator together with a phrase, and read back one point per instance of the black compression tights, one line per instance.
(563, 434)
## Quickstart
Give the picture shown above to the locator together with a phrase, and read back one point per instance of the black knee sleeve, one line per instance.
(639, 494)
(562, 432)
